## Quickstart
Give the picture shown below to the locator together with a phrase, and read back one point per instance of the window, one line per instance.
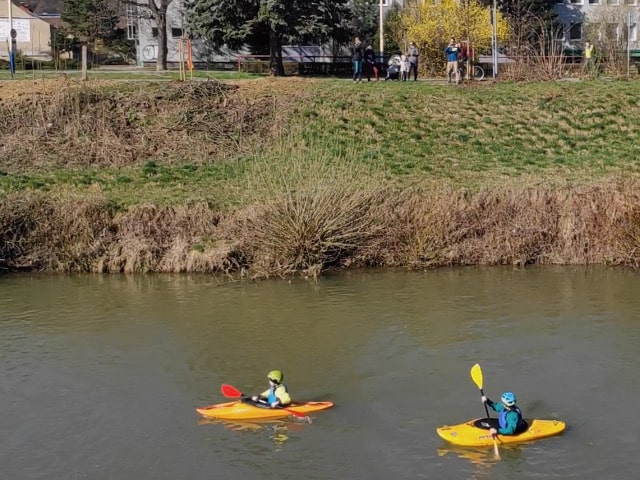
(176, 32)
(132, 31)
(613, 2)
(630, 2)
(575, 32)
(154, 32)
(594, 2)
(576, 2)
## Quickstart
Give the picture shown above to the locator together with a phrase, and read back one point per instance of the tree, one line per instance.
(394, 35)
(526, 19)
(90, 20)
(362, 20)
(431, 25)
(234, 22)
(156, 10)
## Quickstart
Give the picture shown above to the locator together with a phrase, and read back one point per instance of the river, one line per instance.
(100, 374)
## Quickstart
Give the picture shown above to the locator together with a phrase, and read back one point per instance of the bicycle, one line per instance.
(477, 70)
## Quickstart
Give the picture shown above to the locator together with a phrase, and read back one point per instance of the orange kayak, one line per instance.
(243, 411)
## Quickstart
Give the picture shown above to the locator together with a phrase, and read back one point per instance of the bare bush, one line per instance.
(328, 224)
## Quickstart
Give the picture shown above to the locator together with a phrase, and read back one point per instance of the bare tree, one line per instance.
(156, 10)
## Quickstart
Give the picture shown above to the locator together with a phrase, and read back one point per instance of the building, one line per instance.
(573, 15)
(34, 28)
(612, 15)
(144, 31)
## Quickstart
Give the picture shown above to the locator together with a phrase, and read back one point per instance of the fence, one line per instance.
(339, 66)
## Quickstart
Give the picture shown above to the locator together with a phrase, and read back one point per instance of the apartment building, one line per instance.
(616, 17)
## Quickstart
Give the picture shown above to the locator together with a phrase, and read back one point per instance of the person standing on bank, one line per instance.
(370, 64)
(451, 52)
(412, 56)
(356, 58)
(588, 57)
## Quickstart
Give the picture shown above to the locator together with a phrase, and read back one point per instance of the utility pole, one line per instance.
(381, 34)
(494, 39)
(12, 39)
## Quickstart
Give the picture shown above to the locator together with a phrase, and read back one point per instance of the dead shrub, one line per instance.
(44, 233)
(328, 223)
(308, 231)
(417, 225)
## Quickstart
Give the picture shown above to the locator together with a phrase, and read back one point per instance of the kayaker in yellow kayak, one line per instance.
(277, 394)
(510, 418)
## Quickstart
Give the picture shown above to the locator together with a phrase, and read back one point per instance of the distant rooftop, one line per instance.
(42, 7)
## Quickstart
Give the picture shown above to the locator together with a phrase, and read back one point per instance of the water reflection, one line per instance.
(483, 460)
(276, 430)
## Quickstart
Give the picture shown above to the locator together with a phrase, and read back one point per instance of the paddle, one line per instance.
(476, 376)
(232, 392)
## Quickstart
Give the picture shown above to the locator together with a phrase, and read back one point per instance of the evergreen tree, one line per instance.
(363, 19)
(90, 20)
(236, 22)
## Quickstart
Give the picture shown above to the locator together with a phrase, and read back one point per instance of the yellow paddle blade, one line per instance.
(476, 375)
(496, 453)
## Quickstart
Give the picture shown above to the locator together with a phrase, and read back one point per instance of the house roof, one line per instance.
(42, 6)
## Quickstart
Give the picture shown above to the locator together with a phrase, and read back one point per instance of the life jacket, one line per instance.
(521, 425)
(272, 392)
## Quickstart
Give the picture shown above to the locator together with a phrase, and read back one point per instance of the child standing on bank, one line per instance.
(404, 68)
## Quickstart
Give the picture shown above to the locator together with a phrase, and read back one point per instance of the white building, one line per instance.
(144, 31)
(617, 17)
(574, 15)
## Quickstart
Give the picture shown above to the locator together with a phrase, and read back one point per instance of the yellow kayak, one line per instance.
(243, 411)
(468, 435)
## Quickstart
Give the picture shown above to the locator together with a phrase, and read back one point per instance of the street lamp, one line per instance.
(381, 33)
(494, 39)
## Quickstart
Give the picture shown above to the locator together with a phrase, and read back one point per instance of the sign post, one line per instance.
(12, 40)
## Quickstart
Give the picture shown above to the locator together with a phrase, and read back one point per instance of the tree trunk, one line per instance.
(159, 14)
(161, 20)
(275, 53)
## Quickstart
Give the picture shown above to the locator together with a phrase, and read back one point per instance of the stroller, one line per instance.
(393, 71)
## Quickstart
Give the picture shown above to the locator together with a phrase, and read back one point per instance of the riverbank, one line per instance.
(275, 177)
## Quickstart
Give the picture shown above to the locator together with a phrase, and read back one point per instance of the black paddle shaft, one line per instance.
(485, 404)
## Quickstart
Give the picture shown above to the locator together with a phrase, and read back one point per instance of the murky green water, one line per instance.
(99, 375)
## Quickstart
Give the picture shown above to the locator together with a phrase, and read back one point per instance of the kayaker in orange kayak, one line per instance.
(510, 419)
(277, 394)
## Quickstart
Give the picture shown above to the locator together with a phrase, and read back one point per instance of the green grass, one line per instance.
(150, 183)
(404, 132)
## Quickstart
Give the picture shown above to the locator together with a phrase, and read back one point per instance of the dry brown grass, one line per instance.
(66, 123)
(311, 231)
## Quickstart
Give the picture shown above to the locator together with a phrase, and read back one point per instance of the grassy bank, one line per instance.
(274, 177)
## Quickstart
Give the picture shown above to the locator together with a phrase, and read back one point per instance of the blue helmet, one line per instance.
(508, 399)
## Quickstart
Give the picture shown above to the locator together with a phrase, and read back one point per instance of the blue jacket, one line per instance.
(452, 53)
(510, 419)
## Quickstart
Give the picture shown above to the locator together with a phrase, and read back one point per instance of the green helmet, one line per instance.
(275, 376)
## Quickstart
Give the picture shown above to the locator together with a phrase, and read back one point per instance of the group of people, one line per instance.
(510, 420)
(365, 61)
